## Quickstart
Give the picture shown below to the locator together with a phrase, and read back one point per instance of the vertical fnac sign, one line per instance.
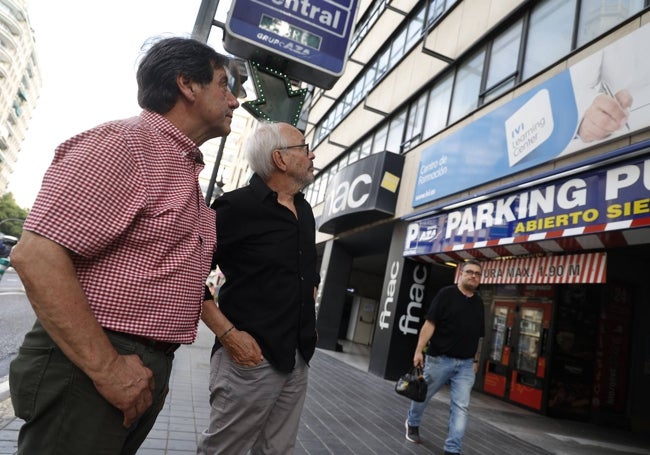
(403, 295)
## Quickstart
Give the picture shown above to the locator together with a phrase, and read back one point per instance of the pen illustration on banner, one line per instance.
(608, 91)
(529, 127)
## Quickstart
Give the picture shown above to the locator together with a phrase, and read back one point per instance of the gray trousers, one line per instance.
(254, 409)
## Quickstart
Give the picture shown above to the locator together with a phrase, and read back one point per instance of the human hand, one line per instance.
(242, 348)
(418, 360)
(605, 115)
(128, 385)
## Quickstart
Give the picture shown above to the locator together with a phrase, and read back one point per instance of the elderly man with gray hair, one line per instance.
(265, 323)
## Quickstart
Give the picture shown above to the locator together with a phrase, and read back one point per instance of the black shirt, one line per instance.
(459, 323)
(268, 258)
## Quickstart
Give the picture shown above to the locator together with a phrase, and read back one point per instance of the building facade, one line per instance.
(20, 82)
(515, 132)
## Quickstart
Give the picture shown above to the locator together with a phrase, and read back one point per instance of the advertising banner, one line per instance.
(556, 118)
(607, 199)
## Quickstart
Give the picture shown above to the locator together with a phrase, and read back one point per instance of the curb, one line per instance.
(4, 388)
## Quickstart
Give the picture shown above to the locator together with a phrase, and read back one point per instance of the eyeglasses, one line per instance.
(472, 273)
(305, 148)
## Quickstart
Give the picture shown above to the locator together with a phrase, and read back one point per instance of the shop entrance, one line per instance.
(353, 278)
(561, 350)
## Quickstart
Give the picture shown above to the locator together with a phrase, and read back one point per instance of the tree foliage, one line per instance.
(11, 216)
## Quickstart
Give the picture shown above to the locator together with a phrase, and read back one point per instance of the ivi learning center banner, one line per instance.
(554, 119)
(606, 199)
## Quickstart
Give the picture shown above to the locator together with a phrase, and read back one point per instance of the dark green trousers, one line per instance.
(63, 412)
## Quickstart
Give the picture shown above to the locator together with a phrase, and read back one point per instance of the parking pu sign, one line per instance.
(306, 39)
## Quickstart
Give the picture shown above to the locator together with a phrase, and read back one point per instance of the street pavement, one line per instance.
(349, 411)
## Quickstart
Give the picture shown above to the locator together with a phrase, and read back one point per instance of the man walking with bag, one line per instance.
(452, 329)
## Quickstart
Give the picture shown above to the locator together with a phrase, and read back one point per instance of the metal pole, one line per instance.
(202, 26)
(215, 170)
(204, 20)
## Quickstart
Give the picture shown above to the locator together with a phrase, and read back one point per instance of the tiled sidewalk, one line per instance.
(351, 412)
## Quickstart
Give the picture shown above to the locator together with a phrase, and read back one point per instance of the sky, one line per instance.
(87, 52)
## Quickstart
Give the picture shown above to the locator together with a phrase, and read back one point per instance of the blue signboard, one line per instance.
(548, 122)
(603, 200)
(305, 39)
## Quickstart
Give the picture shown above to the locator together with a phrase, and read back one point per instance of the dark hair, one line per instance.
(165, 61)
(470, 262)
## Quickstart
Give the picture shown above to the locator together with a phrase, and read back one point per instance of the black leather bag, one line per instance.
(412, 385)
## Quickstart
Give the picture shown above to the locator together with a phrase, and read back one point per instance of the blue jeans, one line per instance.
(460, 375)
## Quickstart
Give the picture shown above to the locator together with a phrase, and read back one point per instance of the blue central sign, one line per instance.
(305, 39)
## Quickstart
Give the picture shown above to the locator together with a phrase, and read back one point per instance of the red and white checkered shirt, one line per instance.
(124, 198)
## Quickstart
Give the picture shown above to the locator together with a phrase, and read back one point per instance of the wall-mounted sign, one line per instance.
(307, 40)
(361, 193)
(567, 269)
(603, 200)
(543, 124)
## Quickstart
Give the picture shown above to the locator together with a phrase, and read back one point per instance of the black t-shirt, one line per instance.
(459, 323)
(268, 257)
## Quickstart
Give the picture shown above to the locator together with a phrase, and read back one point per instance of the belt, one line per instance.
(162, 346)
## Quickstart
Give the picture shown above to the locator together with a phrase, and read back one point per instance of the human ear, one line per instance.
(186, 86)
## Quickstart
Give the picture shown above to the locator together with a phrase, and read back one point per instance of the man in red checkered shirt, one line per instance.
(114, 257)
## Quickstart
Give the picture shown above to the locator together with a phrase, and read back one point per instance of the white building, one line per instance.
(515, 132)
(20, 82)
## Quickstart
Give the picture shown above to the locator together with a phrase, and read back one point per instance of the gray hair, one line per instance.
(259, 148)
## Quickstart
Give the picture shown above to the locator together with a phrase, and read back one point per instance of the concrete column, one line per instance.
(335, 274)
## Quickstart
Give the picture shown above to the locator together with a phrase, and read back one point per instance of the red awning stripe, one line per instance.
(573, 268)
(541, 243)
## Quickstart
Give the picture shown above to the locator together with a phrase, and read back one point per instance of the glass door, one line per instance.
(530, 333)
(496, 369)
(527, 380)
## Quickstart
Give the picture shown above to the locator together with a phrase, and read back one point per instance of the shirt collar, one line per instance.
(261, 190)
(186, 145)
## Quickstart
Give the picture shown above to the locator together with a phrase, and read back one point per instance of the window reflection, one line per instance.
(549, 34)
(467, 87)
(504, 56)
(598, 17)
(436, 118)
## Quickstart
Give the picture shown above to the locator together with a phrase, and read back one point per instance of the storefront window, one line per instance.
(415, 29)
(366, 147)
(598, 17)
(530, 334)
(549, 34)
(502, 66)
(438, 108)
(396, 132)
(415, 121)
(467, 86)
(353, 156)
(379, 143)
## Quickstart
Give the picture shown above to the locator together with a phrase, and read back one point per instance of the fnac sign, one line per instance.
(362, 193)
